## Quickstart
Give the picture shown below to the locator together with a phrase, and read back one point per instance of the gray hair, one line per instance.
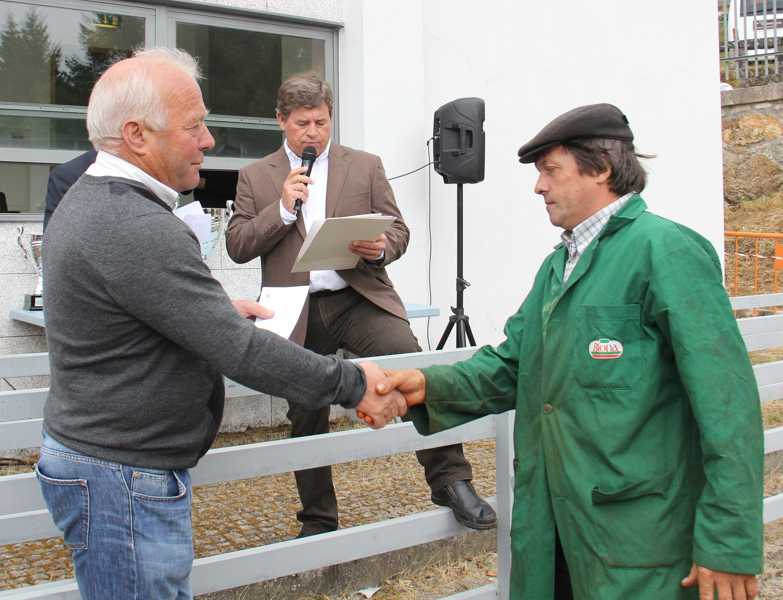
(132, 95)
(304, 90)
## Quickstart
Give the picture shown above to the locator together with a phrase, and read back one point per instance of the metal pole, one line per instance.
(460, 286)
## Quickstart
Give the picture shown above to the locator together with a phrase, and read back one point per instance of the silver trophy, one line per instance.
(31, 246)
(217, 217)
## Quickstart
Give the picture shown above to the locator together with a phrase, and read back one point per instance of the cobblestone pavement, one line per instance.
(254, 512)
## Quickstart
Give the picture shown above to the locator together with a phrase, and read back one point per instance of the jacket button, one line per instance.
(548, 409)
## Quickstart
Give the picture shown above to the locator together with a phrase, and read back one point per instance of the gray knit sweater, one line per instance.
(139, 332)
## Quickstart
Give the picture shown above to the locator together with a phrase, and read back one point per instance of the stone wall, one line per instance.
(752, 142)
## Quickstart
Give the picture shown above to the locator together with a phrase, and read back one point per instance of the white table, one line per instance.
(36, 317)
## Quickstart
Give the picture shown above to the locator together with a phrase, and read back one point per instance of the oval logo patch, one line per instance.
(606, 349)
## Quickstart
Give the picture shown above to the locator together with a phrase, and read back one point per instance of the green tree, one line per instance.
(102, 48)
(28, 61)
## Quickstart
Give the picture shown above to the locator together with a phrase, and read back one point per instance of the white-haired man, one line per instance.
(139, 333)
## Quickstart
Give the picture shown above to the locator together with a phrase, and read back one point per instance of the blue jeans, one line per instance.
(128, 528)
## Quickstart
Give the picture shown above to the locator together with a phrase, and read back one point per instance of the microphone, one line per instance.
(308, 158)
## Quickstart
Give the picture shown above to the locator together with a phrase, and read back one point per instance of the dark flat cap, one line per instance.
(593, 121)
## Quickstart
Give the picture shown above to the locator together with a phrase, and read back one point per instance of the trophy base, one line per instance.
(33, 302)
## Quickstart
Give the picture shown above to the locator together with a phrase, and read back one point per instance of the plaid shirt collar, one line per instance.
(583, 234)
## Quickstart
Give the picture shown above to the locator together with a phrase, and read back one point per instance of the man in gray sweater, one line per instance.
(139, 336)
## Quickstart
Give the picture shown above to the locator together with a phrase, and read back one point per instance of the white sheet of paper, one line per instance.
(287, 302)
(326, 245)
(194, 216)
(201, 226)
(194, 208)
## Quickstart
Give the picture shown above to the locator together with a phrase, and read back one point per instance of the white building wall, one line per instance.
(530, 62)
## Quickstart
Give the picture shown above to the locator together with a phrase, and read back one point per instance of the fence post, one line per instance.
(504, 478)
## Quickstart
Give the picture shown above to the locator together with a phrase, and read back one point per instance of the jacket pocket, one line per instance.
(607, 347)
(639, 526)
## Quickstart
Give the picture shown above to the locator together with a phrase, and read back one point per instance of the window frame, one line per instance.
(47, 156)
(160, 28)
(326, 34)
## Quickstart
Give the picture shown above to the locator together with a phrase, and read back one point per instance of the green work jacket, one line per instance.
(638, 432)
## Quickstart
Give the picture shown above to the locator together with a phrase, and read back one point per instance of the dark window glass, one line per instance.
(244, 69)
(244, 142)
(52, 57)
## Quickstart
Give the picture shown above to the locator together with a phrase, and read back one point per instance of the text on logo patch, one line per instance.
(606, 349)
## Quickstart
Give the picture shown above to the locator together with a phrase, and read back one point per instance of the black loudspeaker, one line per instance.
(459, 141)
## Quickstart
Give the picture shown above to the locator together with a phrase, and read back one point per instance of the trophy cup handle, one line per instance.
(20, 232)
(229, 209)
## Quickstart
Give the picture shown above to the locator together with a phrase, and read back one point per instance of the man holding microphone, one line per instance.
(356, 309)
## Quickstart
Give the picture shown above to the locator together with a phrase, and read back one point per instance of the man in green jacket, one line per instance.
(638, 437)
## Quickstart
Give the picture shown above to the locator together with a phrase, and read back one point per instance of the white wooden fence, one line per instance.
(764, 333)
(23, 516)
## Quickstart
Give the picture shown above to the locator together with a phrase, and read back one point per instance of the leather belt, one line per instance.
(325, 293)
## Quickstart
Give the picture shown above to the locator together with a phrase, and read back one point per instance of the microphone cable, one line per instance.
(429, 239)
(414, 170)
(429, 229)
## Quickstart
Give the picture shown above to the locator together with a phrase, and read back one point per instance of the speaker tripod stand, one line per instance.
(459, 318)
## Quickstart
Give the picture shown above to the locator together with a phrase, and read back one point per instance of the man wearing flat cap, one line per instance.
(638, 439)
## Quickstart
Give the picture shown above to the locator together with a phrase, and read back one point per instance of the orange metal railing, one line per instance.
(752, 262)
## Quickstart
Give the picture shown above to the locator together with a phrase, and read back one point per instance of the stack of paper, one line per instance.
(326, 245)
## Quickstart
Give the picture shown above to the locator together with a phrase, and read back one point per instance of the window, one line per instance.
(53, 51)
(50, 57)
(243, 67)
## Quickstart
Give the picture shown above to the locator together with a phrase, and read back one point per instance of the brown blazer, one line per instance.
(357, 185)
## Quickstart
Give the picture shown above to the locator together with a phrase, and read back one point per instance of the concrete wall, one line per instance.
(530, 62)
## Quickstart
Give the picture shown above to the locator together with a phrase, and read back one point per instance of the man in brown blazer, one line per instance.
(356, 309)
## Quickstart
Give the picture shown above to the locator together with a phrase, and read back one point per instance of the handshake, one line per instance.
(389, 394)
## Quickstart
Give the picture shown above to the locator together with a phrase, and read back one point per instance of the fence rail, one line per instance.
(751, 38)
(752, 261)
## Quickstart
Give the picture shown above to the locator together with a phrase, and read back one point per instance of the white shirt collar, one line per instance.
(296, 161)
(109, 165)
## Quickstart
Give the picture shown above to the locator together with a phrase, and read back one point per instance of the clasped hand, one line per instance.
(408, 386)
(378, 409)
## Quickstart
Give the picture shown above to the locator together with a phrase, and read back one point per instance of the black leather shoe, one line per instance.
(308, 531)
(469, 508)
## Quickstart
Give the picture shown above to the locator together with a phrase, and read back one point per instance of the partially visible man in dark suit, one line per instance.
(356, 309)
(62, 178)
